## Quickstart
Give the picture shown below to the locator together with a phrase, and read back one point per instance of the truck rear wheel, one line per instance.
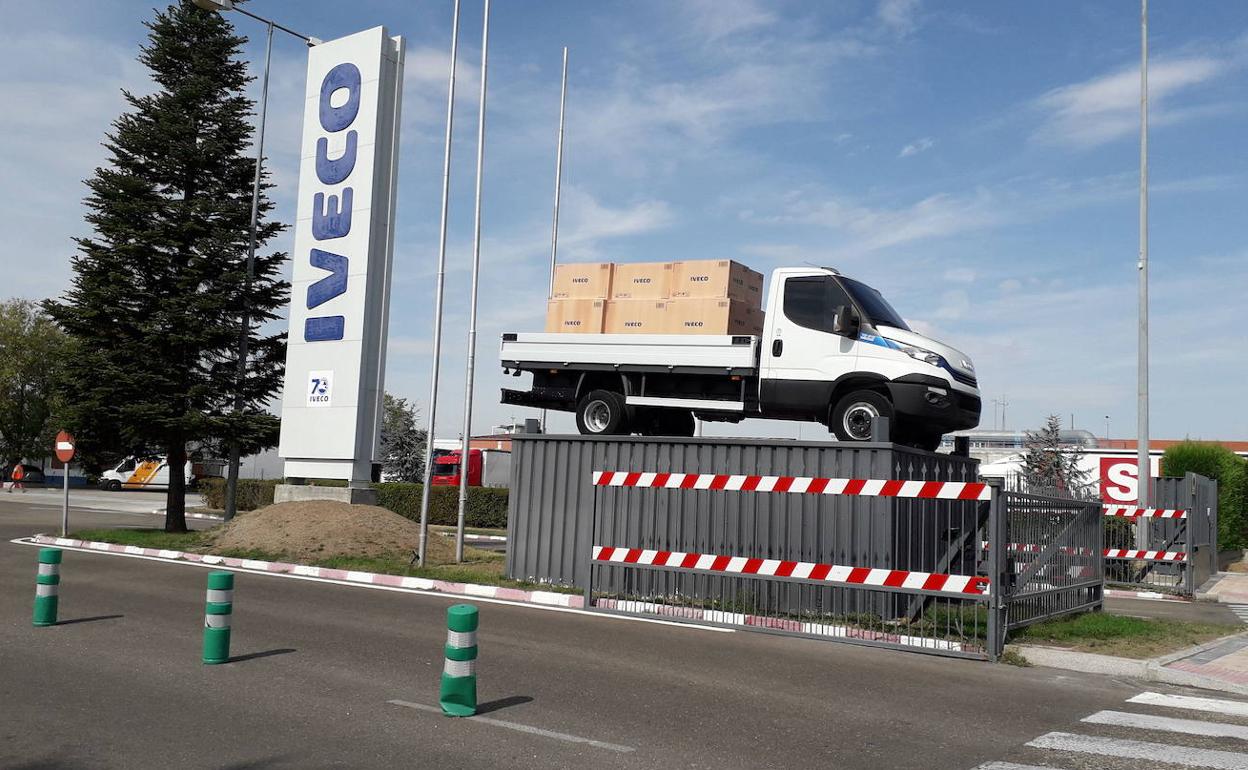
(853, 415)
(602, 413)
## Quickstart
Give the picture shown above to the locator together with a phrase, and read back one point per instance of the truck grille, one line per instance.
(965, 379)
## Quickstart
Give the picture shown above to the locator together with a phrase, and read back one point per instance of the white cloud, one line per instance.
(1107, 107)
(916, 147)
(870, 228)
(960, 275)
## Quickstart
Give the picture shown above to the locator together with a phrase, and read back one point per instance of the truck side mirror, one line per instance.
(847, 322)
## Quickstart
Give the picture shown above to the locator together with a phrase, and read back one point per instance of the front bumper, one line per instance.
(932, 401)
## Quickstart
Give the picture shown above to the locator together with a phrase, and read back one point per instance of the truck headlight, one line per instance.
(919, 354)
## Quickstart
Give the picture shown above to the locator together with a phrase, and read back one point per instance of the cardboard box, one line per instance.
(583, 280)
(718, 278)
(713, 316)
(642, 280)
(636, 316)
(577, 316)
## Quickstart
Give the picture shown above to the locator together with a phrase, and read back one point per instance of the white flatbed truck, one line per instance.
(833, 351)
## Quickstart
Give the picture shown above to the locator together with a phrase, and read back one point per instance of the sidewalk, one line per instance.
(1225, 662)
(1221, 664)
(1229, 588)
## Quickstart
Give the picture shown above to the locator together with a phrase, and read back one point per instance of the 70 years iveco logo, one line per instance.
(332, 219)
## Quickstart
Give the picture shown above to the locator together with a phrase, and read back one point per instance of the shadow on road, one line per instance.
(265, 654)
(502, 703)
(71, 621)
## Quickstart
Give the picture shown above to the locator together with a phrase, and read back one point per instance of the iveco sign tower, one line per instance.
(344, 236)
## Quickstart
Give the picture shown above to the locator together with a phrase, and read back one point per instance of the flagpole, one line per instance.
(466, 438)
(435, 368)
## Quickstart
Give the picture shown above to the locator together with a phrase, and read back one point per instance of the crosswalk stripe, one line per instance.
(1212, 705)
(1168, 724)
(1152, 752)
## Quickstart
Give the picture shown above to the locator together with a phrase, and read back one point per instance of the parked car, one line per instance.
(34, 474)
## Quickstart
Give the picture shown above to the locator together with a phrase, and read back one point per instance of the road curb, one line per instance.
(1149, 669)
(1114, 593)
(547, 598)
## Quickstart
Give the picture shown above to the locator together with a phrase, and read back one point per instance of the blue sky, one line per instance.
(975, 161)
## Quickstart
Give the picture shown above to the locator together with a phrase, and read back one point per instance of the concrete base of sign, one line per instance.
(292, 493)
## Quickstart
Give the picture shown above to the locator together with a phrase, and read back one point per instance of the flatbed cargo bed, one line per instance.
(721, 354)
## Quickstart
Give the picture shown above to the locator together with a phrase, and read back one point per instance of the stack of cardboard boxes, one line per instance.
(695, 297)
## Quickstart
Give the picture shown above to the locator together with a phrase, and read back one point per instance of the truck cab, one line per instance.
(832, 351)
(486, 468)
(833, 346)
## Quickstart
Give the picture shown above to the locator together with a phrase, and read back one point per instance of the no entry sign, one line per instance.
(64, 446)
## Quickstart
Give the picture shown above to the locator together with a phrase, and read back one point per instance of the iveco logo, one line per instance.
(699, 278)
(580, 280)
(331, 216)
(641, 280)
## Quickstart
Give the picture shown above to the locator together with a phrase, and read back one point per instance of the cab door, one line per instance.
(802, 357)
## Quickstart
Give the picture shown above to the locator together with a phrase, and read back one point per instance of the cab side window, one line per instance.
(812, 301)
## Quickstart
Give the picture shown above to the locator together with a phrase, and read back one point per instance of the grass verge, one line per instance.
(481, 567)
(1125, 637)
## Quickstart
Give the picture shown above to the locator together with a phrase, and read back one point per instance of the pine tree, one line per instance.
(402, 443)
(158, 291)
(1048, 464)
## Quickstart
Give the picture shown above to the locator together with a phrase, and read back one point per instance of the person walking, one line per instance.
(19, 473)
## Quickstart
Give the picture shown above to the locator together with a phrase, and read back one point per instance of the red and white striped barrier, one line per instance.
(1131, 512)
(814, 485)
(932, 582)
(1108, 553)
(1123, 553)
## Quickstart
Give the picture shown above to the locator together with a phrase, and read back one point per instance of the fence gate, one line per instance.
(1051, 561)
(1171, 548)
(714, 548)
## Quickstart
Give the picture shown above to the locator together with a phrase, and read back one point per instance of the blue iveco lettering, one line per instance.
(331, 214)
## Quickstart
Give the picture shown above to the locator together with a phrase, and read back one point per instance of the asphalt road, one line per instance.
(92, 499)
(120, 684)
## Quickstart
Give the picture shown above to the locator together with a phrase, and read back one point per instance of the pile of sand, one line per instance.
(321, 529)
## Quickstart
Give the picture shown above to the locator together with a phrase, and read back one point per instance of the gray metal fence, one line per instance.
(1171, 548)
(789, 537)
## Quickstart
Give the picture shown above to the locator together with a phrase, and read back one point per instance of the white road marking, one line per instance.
(522, 728)
(1212, 705)
(1168, 724)
(1009, 766)
(1150, 752)
(399, 589)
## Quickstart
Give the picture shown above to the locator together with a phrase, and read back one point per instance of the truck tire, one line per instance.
(853, 415)
(602, 413)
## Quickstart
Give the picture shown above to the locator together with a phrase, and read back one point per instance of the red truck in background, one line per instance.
(486, 468)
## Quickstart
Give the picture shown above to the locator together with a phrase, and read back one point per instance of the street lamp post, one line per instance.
(244, 334)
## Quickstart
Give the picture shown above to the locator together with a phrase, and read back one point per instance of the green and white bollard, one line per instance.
(458, 695)
(217, 617)
(47, 586)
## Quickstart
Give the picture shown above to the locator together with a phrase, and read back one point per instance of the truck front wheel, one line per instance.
(601, 413)
(853, 415)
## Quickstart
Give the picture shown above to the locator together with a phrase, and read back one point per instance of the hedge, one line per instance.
(1231, 472)
(252, 493)
(487, 506)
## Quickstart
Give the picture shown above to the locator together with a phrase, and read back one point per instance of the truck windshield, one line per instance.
(878, 311)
